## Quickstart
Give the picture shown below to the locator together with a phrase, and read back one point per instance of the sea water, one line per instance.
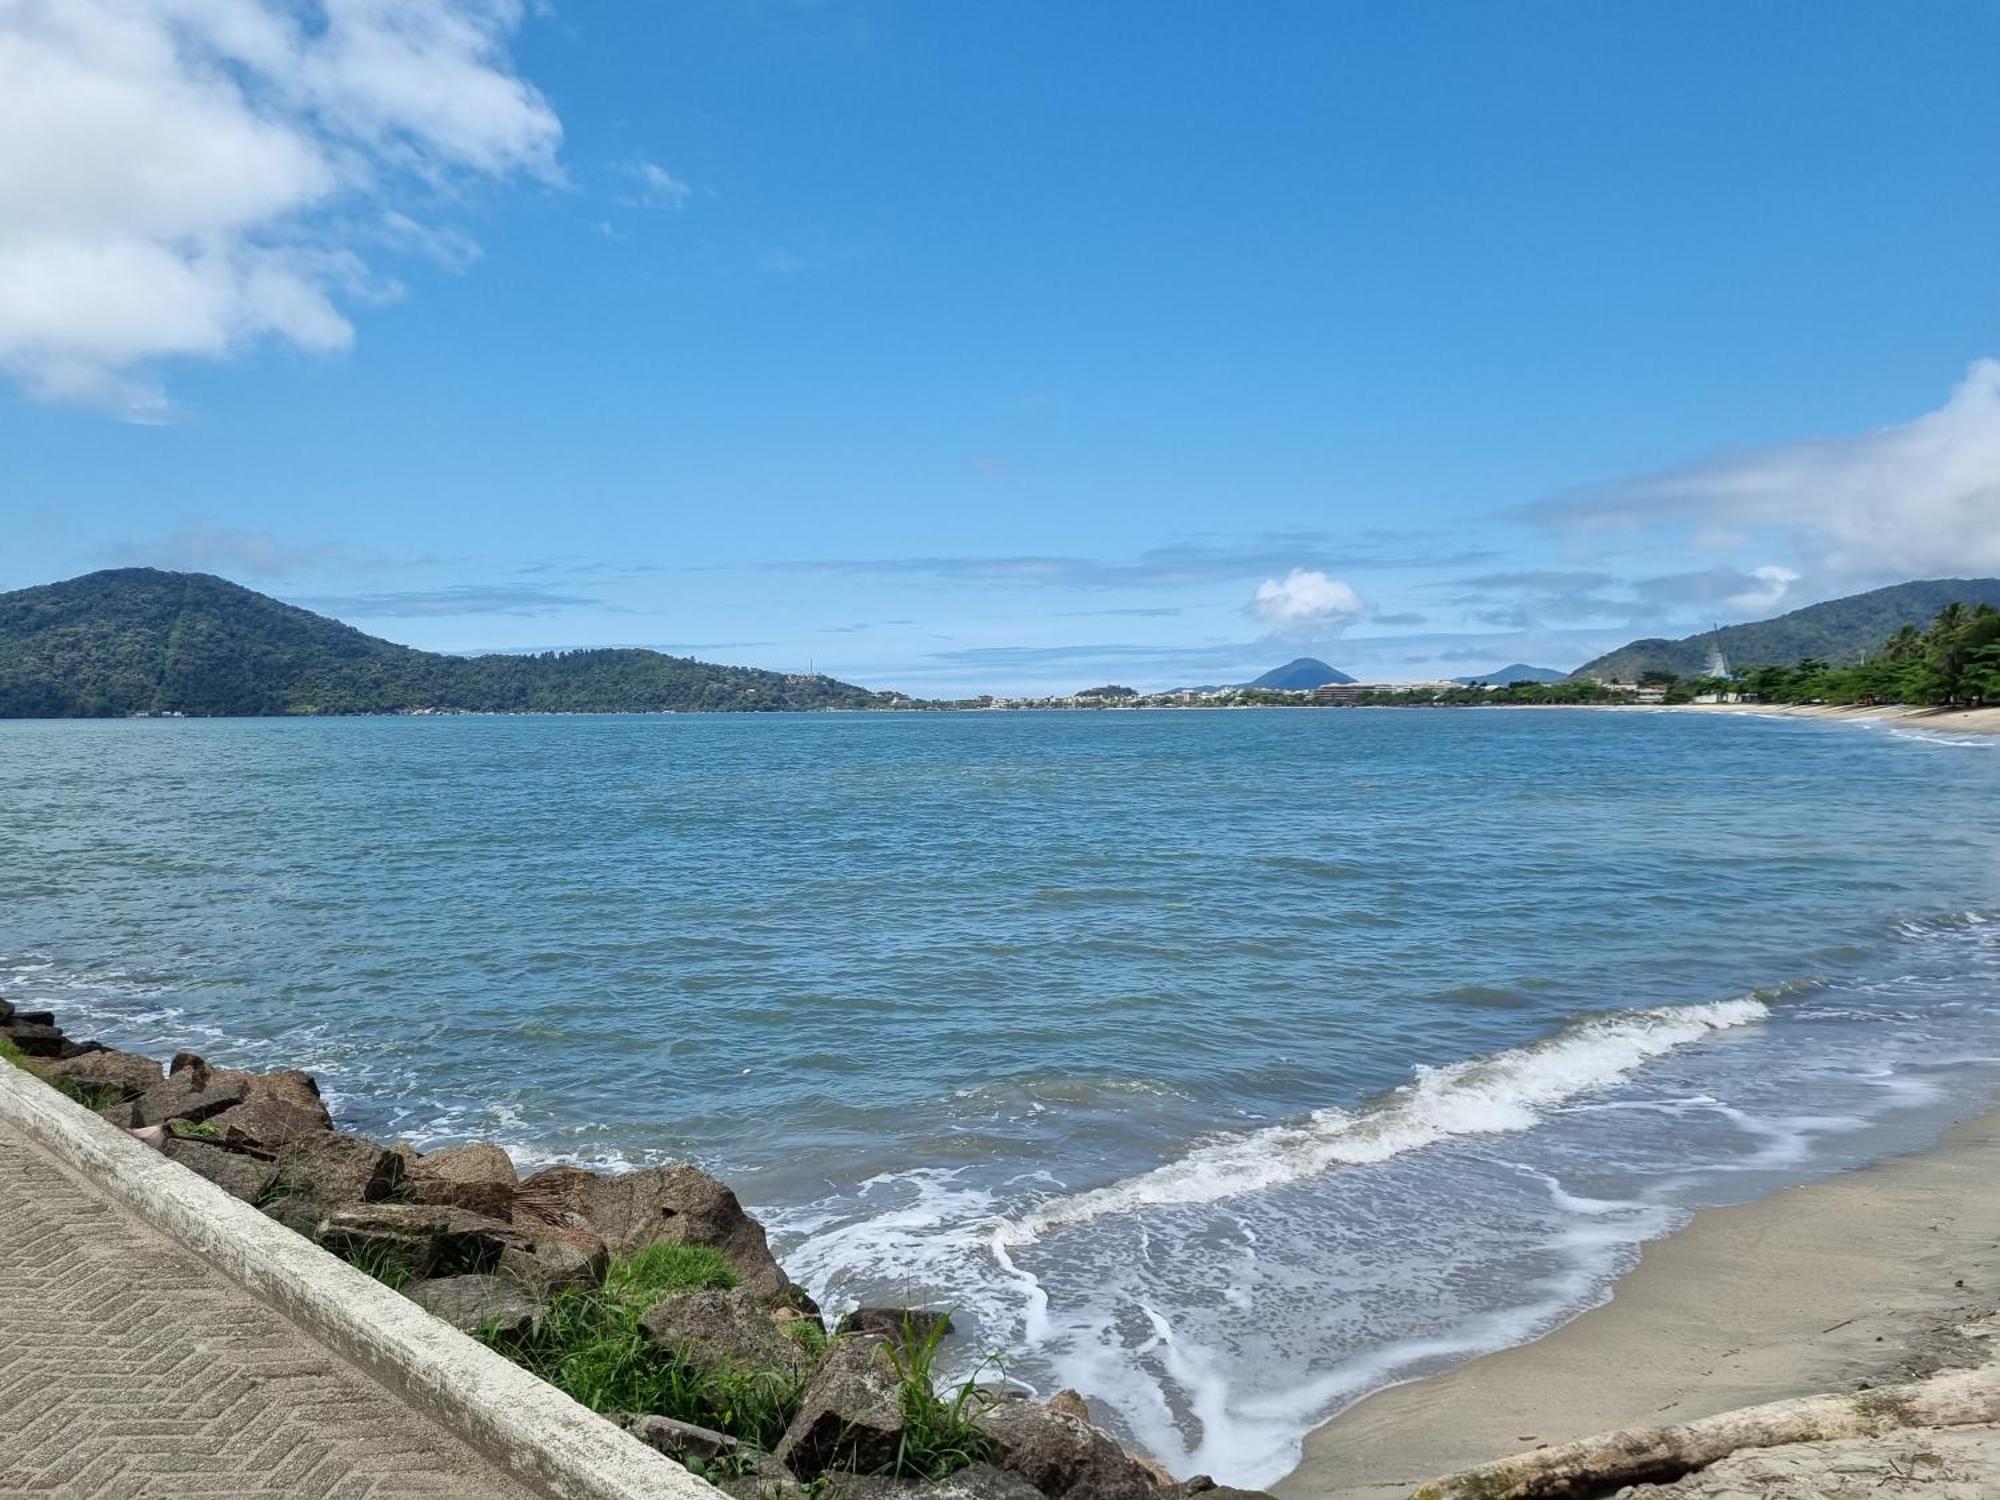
(1223, 1065)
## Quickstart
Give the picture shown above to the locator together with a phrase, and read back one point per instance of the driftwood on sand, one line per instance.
(1639, 1455)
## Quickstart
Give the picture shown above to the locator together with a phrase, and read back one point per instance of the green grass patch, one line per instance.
(642, 1278)
(89, 1095)
(939, 1433)
(589, 1344)
(384, 1262)
(195, 1130)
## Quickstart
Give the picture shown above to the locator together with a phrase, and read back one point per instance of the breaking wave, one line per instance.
(1497, 1094)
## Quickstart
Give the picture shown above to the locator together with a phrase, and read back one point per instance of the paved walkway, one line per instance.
(131, 1371)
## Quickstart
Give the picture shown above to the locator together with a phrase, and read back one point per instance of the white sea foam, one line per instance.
(1505, 1092)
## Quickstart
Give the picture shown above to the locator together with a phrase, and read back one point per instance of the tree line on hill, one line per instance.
(1954, 662)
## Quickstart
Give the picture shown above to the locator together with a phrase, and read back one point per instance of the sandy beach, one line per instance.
(1865, 1277)
(1940, 720)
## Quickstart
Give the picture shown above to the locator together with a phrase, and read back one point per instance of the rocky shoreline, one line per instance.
(650, 1296)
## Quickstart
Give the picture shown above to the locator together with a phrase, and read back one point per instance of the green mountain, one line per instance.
(1520, 671)
(137, 640)
(1837, 631)
(1301, 672)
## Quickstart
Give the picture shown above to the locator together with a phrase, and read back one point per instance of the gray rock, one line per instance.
(277, 1108)
(476, 1161)
(677, 1439)
(974, 1482)
(767, 1480)
(241, 1176)
(35, 1038)
(327, 1168)
(268, 1124)
(851, 1415)
(127, 1072)
(726, 1333)
(1065, 1458)
(674, 1205)
(979, 1482)
(479, 1177)
(1070, 1404)
(192, 1094)
(424, 1239)
(896, 1323)
(477, 1304)
(551, 1256)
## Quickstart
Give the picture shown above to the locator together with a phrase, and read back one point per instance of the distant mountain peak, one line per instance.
(1519, 671)
(1301, 672)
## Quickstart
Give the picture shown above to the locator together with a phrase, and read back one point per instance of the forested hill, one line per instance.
(1838, 631)
(138, 640)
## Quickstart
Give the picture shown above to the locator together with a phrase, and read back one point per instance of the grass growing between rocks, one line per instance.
(940, 1436)
(651, 1273)
(385, 1263)
(92, 1096)
(589, 1344)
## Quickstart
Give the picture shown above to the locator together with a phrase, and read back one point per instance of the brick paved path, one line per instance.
(131, 1371)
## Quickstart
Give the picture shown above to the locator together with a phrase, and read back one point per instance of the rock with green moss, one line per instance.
(671, 1205)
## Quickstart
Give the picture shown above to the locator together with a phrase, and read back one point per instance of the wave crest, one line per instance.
(1500, 1093)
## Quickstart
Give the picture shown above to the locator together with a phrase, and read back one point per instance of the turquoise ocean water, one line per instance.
(1224, 1065)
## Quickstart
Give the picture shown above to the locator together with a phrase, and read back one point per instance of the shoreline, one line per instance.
(1857, 1280)
(1928, 720)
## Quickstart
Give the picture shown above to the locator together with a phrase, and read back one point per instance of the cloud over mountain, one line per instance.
(1921, 497)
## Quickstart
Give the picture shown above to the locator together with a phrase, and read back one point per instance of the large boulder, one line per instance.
(726, 1333)
(851, 1414)
(239, 1175)
(675, 1205)
(126, 1073)
(478, 1304)
(277, 1108)
(1065, 1457)
(479, 1177)
(323, 1169)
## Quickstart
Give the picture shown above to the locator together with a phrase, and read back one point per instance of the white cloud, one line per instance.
(1305, 603)
(656, 187)
(185, 177)
(1918, 498)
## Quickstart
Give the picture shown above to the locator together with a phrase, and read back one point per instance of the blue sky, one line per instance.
(1015, 347)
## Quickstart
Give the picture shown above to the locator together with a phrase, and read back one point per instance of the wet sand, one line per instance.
(1867, 1276)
